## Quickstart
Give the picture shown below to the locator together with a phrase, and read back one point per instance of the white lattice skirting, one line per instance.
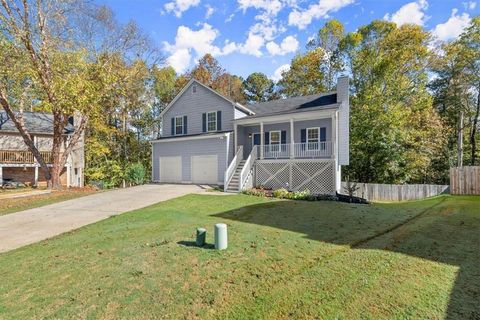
(318, 176)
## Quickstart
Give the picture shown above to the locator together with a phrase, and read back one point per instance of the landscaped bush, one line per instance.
(283, 193)
(299, 195)
(135, 174)
(258, 192)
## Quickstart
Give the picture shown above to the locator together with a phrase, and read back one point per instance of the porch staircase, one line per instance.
(233, 185)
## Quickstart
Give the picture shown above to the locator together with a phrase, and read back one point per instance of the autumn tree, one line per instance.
(304, 76)
(259, 88)
(209, 72)
(396, 135)
(64, 73)
(456, 89)
(329, 39)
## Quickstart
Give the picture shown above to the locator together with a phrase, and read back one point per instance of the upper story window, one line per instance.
(212, 121)
(179, 125)
(194, 88)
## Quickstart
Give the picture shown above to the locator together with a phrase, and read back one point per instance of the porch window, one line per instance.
(179, 125)
(313, 138)
(275, 140)
(212, 121)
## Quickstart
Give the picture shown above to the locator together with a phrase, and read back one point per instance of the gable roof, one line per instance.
(317, 101)
(35, 122)
(235, 104)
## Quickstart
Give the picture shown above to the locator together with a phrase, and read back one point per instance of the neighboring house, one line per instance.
(297, 143)
(18, 164)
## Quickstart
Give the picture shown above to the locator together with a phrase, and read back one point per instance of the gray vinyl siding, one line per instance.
(246, 141)
(222, 147)
(193, 105)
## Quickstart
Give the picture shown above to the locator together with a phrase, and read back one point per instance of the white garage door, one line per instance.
(205, 169)
(171, 169)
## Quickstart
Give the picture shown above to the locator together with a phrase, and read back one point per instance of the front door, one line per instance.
(256, 139)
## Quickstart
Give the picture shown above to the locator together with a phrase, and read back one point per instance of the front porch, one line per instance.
(292, 151)
(295, 137)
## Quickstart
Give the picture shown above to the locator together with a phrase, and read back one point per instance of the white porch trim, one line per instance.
(187, 138)
(297, 116)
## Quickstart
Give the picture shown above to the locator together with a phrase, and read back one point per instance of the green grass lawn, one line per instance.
(286, 260)
(12, 205)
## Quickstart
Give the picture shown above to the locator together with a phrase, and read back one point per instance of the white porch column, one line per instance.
(69, 169)
(235, 130)
(262, 140)
(1, 175)
(292, 143)
(36, 176)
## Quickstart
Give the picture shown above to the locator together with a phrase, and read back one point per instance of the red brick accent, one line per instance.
(27, 175)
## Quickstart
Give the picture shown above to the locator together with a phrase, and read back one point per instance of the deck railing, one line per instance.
(300, 150)
(23, 157)
(246, 172)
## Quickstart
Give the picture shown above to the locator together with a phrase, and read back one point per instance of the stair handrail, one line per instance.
(247, 168)
(231, 168)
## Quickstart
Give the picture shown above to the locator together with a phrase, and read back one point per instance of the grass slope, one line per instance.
(287, 259)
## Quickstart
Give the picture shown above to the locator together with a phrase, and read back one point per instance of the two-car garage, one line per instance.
(198, 160)
(204, 169)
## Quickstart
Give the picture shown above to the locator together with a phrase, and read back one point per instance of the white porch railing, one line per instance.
(300, 150)
(231, 168)
(313, 149)
(246, 172)
(275, 151)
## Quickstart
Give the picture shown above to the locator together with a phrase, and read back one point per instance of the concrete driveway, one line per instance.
(30, 226)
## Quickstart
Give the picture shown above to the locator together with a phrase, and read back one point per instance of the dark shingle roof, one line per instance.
(326, 100)
(35, 122)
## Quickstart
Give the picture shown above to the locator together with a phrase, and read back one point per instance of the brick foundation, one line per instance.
(27, 175)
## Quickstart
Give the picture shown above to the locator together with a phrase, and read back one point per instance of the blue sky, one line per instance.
(263, 35)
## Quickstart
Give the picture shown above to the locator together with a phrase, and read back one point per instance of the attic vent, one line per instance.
(194, 88)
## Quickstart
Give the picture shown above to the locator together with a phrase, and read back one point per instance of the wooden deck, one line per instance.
(22, 157)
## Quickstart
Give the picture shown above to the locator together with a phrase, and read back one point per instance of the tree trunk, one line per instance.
(58, 164)
(473, 141)
(460, 141)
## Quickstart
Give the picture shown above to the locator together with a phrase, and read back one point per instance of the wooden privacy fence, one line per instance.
(465, 180)
(396, 192)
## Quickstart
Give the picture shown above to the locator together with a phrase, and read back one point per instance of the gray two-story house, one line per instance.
(297, 143)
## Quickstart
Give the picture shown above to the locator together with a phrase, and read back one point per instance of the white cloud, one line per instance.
(252, 45)
(289, 44)
(412, 12)
(453, 27)
(180, 6)
(180, 59)
(271, 7)
(303, 18)
(230, 17)
(200, 42)
(266, 28)
(209, 12)
(470, 5)
(277, 75)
